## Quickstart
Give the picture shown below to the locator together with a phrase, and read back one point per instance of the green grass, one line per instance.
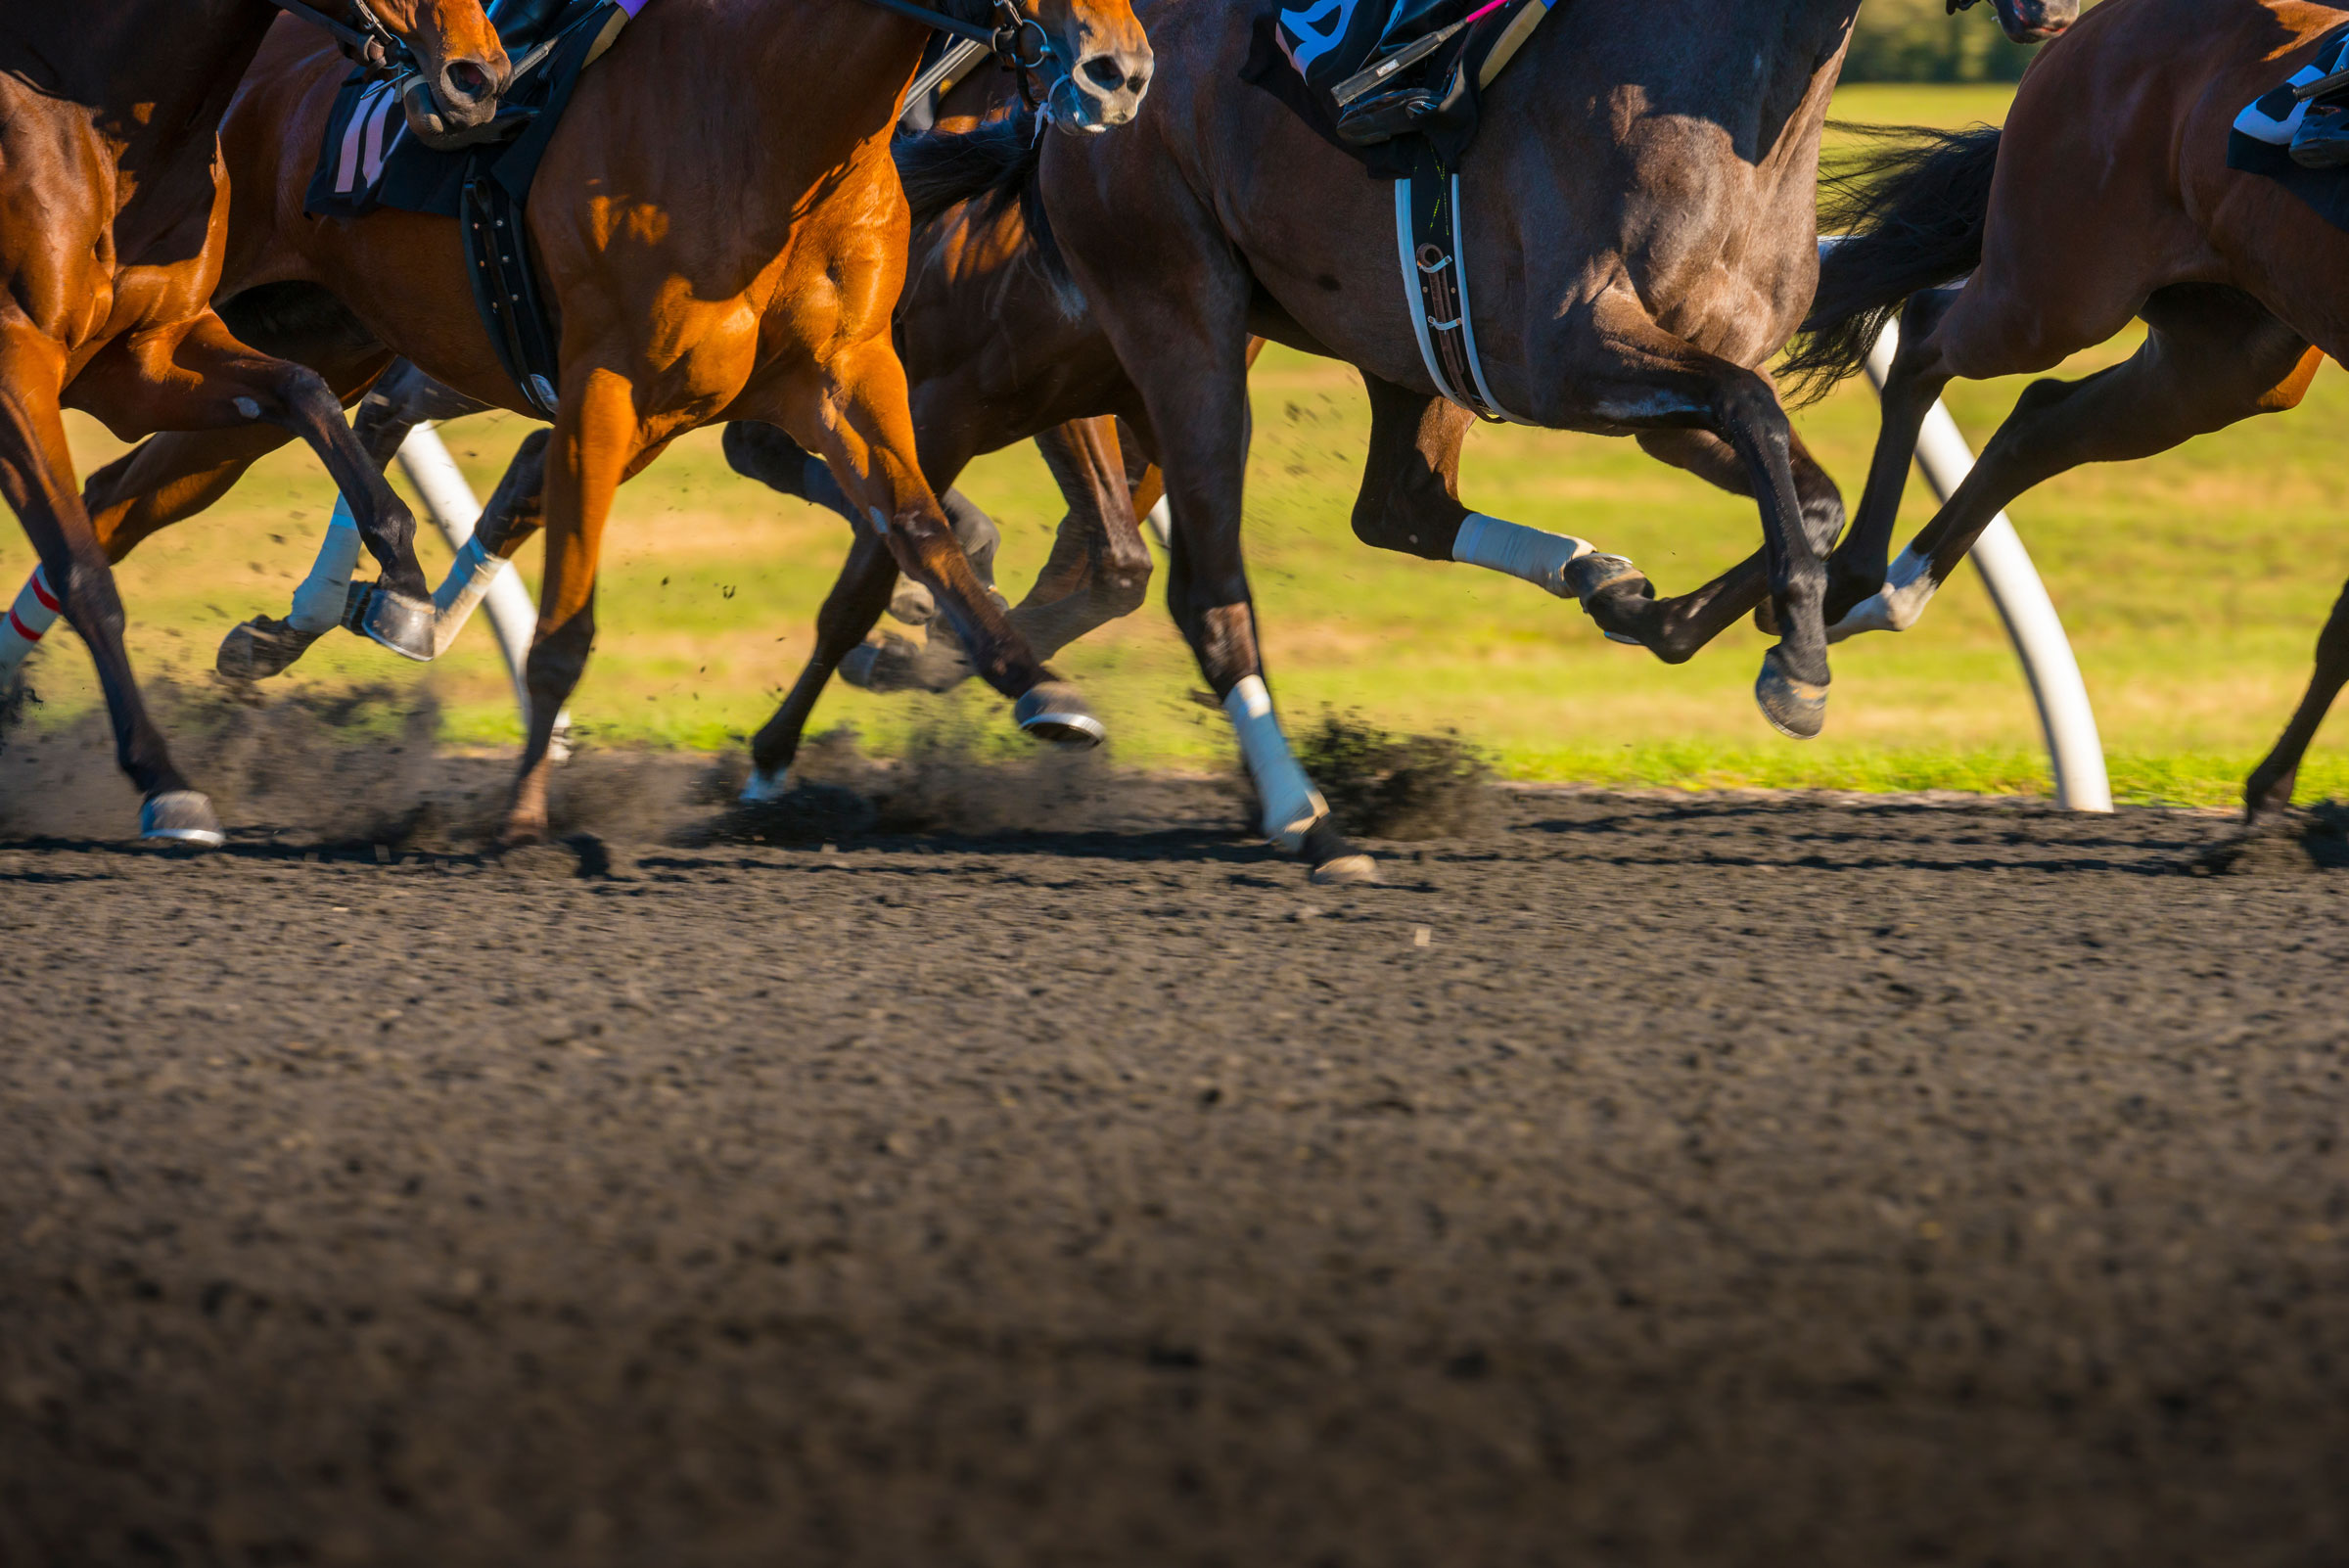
(2193, 586)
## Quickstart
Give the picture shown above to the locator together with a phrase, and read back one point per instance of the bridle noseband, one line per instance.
(370, 44)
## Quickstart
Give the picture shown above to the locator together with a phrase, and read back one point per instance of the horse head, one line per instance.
(457, 55)
(2029, 20)
(1096, 59)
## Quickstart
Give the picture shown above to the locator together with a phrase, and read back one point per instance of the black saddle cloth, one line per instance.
(1300, 50)
(369, 160)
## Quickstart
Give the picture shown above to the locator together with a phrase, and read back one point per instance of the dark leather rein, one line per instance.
(1017, 39)
(369, 43)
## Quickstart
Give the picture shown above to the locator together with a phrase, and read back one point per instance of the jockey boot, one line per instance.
(2322, 139)
(1382, 104)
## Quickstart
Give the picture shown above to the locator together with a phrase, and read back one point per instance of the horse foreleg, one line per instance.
(849, 613)
(76, 578)
(599, 439)
(1860, 567)
(1676, 628)
(1099, 569)
(2269, 791)
(199, 377)
(1635, 374)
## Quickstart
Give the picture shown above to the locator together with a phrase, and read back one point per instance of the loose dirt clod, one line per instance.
(1380, 785)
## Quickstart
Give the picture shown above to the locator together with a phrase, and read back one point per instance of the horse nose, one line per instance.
(1116, 79)
(467, 85)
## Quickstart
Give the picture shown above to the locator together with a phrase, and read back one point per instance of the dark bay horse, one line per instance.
(717, 247)
(116, 227)
(2107, 197)
(1640, 236)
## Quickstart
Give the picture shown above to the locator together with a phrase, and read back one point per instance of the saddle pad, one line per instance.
(1302, 49)
(369, 161)
(2260, 142)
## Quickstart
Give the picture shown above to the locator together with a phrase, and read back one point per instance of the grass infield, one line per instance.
(2193, 586)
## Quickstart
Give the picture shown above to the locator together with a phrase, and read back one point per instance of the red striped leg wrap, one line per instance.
(29, 620)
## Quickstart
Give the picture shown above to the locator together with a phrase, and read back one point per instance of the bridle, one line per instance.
(1017, 39)
(371, 44)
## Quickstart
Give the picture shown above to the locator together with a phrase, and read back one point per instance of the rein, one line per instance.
(369, 43)
(1017, 39)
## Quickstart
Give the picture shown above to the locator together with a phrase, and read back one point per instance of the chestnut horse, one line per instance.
(2116, 200)
(716, 249)
(114, 239)
(1640, 236)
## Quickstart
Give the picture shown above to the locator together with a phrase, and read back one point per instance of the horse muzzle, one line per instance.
(1104, 89)
(455, 108)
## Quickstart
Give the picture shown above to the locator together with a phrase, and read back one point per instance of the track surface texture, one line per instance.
(1627, 1181)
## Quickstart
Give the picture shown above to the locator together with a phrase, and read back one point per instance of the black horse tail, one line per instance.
(990, 167)
(1912, 210)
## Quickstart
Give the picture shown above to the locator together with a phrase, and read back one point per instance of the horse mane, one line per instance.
(991, 169)
(1910, 206)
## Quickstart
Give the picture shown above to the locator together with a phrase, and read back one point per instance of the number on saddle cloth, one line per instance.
(1383, 71)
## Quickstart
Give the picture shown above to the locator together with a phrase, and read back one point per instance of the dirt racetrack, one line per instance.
(1628, 1181)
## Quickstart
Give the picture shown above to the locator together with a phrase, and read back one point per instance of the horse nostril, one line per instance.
(1105, 73)
(466, 82)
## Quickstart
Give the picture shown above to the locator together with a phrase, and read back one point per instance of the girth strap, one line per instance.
(505, 284)
(1435, 286)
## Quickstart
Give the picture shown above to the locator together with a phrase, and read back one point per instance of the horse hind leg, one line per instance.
(1099, 569)
(2212, 358)
(888, 663)
(1409, 502)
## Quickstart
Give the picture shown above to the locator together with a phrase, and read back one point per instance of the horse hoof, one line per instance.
(398, 623)
(1337, 863)
(180, 816)
(1588, 575)
(263, 647)
(912, 603)
(1795, 709)
(1053, 713)
(763, 788)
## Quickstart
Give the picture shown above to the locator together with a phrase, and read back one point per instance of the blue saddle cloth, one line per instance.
(370, 161)
(2261, 140)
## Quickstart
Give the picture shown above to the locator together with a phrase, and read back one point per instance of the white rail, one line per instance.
(454, 510)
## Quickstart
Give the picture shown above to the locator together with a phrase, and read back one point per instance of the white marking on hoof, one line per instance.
(1346, 871)
(763, 788)
(1909, 586)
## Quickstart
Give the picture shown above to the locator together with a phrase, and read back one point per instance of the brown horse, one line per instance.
(716, 249)
(112, 241)
(1633, 296)
(2122, 205)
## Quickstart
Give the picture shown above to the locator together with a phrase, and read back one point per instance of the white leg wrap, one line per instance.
(27, 620)
(1518, 551)
(470, 578)
(1292, 805)
(1909, 586)
(318, 603)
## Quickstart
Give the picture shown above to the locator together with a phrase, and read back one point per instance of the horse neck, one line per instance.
(153, 73)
